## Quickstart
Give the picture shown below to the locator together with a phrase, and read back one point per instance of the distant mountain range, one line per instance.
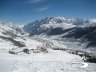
(72, 30)
(83, 30)
(45, 25)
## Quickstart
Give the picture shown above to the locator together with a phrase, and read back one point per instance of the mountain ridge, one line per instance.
(40, 26)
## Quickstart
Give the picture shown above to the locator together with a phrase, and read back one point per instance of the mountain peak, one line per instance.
(48, 20)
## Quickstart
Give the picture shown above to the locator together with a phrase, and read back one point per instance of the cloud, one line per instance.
(36, 1)
(42, 9)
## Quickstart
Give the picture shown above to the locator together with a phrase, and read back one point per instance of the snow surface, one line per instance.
(43, 66)
(53, 61)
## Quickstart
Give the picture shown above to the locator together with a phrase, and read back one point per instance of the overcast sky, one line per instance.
(25, 11)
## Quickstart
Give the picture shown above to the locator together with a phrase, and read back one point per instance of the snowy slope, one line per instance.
(8, 29)
(8, 33)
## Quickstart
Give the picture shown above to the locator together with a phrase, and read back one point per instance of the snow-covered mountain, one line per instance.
(13, 37)
(82, 30)
(8, 35)
(60, 28)
(68, 30)
(43, 26)
(73, 33)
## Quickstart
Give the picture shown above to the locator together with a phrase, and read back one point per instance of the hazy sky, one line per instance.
(25, 11)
